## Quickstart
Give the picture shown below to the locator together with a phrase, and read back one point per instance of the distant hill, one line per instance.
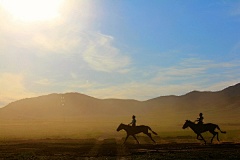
(217, 107)
(75, 105)
(201, 100)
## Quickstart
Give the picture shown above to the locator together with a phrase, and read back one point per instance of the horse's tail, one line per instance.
(221, 130)
(152, 131)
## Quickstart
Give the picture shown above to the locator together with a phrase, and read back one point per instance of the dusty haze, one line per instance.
(83, 116)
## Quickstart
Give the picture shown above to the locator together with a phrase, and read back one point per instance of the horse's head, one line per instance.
(186, 124)
(120, 127)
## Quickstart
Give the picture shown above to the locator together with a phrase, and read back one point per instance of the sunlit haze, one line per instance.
(117, 49)
(32, 10)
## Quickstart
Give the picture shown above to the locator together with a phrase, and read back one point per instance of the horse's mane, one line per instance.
(124, 124)
(190, 121)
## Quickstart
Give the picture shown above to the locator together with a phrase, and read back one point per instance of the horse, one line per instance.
(135, 130)
(200, 128)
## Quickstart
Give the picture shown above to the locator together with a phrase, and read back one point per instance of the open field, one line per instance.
(79, 139)
(86, 129)
(70, 140)
(180, 147)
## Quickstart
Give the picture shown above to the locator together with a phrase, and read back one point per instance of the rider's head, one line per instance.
(133, 117)
(200, 114)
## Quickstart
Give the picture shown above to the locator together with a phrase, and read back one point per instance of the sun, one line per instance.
(32, 10)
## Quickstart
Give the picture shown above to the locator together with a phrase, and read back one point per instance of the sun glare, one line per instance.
(32, 10)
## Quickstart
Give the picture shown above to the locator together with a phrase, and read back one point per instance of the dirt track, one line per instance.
(112, 149)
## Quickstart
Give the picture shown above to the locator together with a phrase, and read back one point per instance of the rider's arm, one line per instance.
(197, 120)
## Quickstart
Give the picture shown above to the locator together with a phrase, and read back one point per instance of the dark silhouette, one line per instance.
(198, 129)
(133, 123)
(200, 119)
(135, 130)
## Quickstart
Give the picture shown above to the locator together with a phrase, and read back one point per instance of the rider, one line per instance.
(133, 121)
(200, 119)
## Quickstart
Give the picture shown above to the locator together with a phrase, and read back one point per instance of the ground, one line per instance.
(111, 148)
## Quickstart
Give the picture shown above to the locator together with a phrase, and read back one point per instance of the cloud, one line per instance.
(44, 82)
(95, 48)
(140, 91)
(195, 70)
(74, 75)
(221, 85)
(236, 47)
(184, 71)
(123, 71)
(234, 8)
(73, 85)
(102, 56)
(194, 62)
(55, 44)
(78, 58)
(12, 88)
(168, 53)
(177, 76)
(65, 36)
(81, 84)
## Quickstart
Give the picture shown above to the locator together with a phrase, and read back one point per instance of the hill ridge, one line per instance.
(77, 104)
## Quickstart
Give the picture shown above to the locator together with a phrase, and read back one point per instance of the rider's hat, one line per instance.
(200, 114)
(133, 116)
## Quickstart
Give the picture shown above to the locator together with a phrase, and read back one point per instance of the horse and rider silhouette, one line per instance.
(201, 128)
(198, 128)
(132, 129)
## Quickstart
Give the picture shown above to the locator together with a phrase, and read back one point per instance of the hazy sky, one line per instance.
(135, 49)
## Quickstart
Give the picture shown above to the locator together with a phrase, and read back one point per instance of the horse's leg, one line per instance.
(214, 134)
(217, 136)
(198, 136)
(150, 136)
(202, 138)
(125, 139)
(135, 138)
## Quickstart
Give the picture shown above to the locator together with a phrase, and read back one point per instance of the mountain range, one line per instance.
(224, 104)
(75, 115)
